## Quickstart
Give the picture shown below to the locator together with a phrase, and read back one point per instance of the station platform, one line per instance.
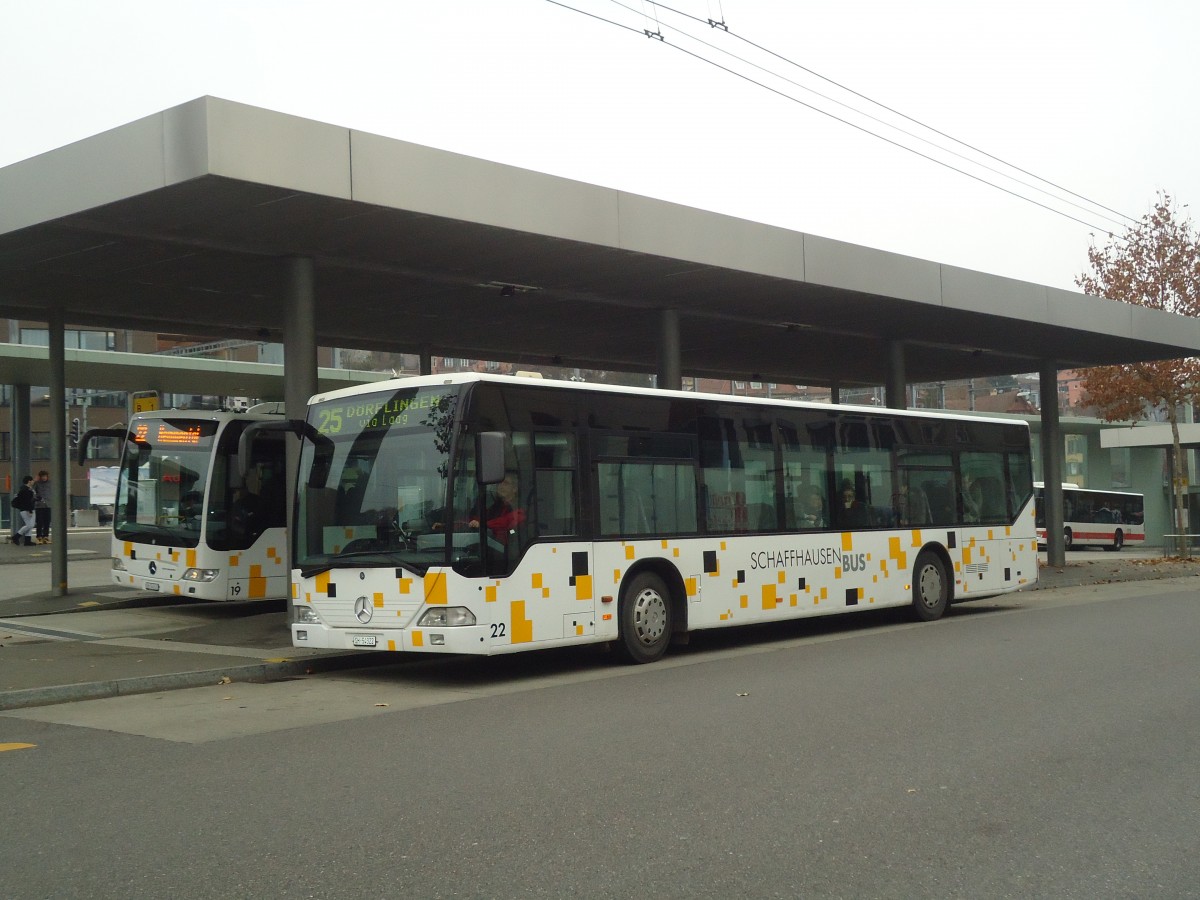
(103, 640)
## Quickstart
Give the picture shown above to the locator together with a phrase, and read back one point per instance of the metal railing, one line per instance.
(1181, 545)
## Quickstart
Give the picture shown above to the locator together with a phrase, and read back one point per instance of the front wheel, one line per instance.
(931, 587)
(645, 619)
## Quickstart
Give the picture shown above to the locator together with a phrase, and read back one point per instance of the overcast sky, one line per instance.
(1097, 97)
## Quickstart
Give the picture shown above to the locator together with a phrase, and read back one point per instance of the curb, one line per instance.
(148, 684)
(135, 600)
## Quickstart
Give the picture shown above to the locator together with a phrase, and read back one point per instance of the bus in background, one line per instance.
(1108, 519)
(487, 514)
(186, 520)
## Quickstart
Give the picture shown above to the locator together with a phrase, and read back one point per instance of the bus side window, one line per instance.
(554, 459)
(555, 502)
(940, 494)
(641, 497)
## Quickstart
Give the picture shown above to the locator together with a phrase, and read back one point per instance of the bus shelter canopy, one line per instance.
(29, 364)
(181, 222)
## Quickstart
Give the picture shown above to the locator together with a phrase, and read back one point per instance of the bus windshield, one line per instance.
(373, 481)
(161, 483)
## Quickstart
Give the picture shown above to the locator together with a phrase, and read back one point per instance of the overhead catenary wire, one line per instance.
(894, 127)
(701, 58)
(723, 26)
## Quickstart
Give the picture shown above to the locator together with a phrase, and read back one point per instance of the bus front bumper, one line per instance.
(459, 639)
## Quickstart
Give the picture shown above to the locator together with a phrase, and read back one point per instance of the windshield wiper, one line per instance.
(149, 530)
(342, 561)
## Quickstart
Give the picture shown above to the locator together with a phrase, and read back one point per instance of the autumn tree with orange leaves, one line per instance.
(1156, 264)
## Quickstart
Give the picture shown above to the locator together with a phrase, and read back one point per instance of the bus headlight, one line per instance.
(307, 615)
(447, 617)
(201, 575)
(118, 564)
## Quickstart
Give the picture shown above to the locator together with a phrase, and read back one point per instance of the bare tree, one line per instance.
(1156, 264)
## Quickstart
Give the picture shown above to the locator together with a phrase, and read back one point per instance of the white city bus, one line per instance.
(636, 515)
(187, 521)
(1108, 519)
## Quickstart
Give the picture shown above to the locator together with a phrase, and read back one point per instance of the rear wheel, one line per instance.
(1068, 539)
(645, 619)
(931, 587)
(1118, 541)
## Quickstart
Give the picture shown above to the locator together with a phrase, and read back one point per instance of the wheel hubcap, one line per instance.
(931, 587)
(649, 616)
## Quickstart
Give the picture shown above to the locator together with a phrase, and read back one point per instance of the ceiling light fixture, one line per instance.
(509, 288)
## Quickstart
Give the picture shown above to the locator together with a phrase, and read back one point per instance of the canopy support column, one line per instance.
(1052, 464)
(669, 372)
(299, 352)
(60, 486)
(21, 433)
(894, 388)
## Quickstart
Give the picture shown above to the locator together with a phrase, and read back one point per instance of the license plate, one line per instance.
(362, 640)
(153, 586)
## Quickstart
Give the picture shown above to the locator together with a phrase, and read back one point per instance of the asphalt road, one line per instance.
(1038, 745)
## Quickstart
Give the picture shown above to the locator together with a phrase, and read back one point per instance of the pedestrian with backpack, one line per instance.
(23, 502)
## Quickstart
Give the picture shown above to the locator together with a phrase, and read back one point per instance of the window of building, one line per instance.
(1121, 467)
(73, 339)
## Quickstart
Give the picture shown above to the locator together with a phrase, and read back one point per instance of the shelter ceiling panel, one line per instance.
(871, 272)
(403, 175)
(680, 233)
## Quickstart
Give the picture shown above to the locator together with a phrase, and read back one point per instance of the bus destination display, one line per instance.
(397, 410)
(161, 434)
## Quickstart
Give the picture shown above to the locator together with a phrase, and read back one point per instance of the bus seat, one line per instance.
(941, 507)
(761, 517)
(991, 496)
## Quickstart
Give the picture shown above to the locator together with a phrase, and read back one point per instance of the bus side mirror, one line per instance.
(81, 450)
(139, 450)
(489, 457)
(245, 448)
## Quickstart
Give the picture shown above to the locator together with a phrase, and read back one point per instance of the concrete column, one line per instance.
(1052, 464)
(21, 437)
(670, 374)
(299, 335)
(299, 351)
(894, 387)
(60, 488)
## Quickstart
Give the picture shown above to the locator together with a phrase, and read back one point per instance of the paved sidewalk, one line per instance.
(103, 640)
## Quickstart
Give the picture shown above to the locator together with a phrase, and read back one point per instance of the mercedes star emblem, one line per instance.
(363, 610)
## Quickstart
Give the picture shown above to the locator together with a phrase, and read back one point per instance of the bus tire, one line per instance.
(1068, 539)
(1118, 541)
(644, 619)
(931, 587)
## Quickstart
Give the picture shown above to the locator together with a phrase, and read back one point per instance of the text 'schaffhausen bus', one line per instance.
(476, 514)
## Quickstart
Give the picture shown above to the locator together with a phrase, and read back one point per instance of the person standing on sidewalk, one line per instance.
(23, 503)
(41, 510)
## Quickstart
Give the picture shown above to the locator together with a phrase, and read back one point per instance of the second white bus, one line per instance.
(187, 521)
